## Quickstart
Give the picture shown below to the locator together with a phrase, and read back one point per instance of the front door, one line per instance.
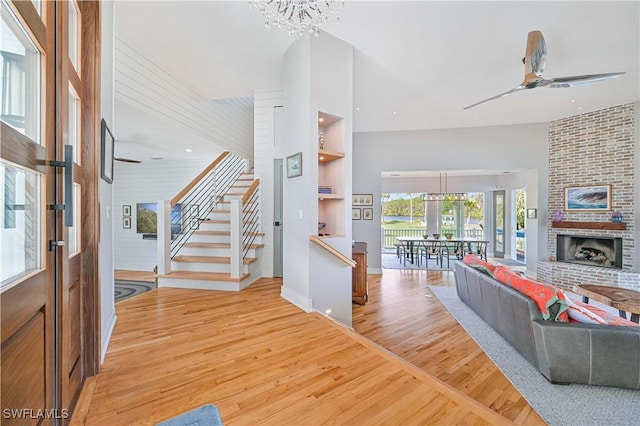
(48, 134)
(498, 223)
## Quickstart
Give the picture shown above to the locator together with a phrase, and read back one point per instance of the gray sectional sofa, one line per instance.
(563, 352)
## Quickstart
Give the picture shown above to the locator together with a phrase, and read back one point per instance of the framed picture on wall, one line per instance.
(106, 153)
(294, 165)
(362, 199)
(367, 214)
(356, 214)
(532, 213)
(588, 198)
(126, 210)
(126, 222)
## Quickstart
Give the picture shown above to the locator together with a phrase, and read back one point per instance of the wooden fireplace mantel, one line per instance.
(615, 226)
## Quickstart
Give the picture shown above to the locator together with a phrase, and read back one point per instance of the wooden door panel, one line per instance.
(21, 303)
(23, 370)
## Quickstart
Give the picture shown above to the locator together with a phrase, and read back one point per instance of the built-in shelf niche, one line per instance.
(331, 174)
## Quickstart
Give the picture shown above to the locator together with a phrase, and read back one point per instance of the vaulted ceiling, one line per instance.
(416, 64)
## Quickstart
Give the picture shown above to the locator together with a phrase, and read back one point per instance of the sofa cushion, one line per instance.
(550, 301)
(590, 314)
(478, 264)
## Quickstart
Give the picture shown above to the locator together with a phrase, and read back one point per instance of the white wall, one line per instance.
(225, 124)
(332, 93)
(266, 148)
(146, 182)
(105, 190)
(297, 204)
(493, 147)
(318, 76)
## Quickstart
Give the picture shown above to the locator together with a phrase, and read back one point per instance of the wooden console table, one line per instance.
(359, 288)
(623, 299)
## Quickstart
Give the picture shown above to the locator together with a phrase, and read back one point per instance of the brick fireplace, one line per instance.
(589, 250)
(596, 148)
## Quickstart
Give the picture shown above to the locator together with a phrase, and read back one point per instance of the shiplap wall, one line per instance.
(143, 84)
(146, 182)
(267, 148)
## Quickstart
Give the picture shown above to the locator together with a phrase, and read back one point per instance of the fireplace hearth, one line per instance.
(604, 252)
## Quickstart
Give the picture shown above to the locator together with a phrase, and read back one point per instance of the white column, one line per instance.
(164, 237)
(236, 238)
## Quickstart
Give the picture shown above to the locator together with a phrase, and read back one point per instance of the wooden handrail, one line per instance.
(250, 191)
(333, 251)
(198, 178)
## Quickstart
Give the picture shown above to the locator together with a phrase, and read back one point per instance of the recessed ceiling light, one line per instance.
(357, 109)
(579, 107)
(321, 119)
(573, 100)
(322, 158)
(395, 113)
(188, 150)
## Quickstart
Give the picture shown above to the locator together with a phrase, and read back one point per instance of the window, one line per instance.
(74, 124)
(20, 69)
(74, 231)
(20, 218)
(74, 35)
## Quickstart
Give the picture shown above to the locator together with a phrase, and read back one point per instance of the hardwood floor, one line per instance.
(404, 317)
(261, 360)
(147, 276)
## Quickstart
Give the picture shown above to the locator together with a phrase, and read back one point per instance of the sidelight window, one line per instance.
(21, 77)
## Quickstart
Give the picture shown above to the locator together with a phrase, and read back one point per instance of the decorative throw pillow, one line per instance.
(551, 305)
(474, 261)
(590, 314)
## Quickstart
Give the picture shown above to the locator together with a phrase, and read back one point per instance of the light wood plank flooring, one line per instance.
(404, 317)
(263, 361)
(147, 276)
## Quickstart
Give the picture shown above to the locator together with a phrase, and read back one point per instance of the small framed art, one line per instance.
(294, 165)
(362, 199)
(126, 210)
(532, 213)
(356, 214)
(367, 214)
(126, 222)
(106, 153)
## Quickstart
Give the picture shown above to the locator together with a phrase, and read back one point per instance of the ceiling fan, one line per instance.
(127, 160)
(534, 62)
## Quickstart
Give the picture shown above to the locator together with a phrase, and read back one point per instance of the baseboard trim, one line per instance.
(107, 337)
(296, 299)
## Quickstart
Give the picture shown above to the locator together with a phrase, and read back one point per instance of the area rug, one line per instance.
(508, 262)
(557, 404)
(125, 289)
(391, 261)
(207, 415)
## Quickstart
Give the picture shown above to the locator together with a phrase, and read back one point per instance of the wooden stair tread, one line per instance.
(257, 234)
(217, 245)
(210, 259)
(203, 276)
(222, 221)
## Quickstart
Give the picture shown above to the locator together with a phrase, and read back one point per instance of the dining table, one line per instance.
(456, 245)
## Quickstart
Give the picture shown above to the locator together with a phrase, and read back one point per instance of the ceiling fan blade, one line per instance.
(127, 160)
(516, 89)
(580, 80)
(535, 57)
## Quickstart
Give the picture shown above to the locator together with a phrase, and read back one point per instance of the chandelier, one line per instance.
(298, 16)
(446, 195)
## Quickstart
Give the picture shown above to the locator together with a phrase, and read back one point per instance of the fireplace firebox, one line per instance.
(605, 252)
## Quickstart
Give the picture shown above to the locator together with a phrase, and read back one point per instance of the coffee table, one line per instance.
(623, 299)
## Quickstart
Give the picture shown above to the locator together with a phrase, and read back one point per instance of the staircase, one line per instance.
(219, 246)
